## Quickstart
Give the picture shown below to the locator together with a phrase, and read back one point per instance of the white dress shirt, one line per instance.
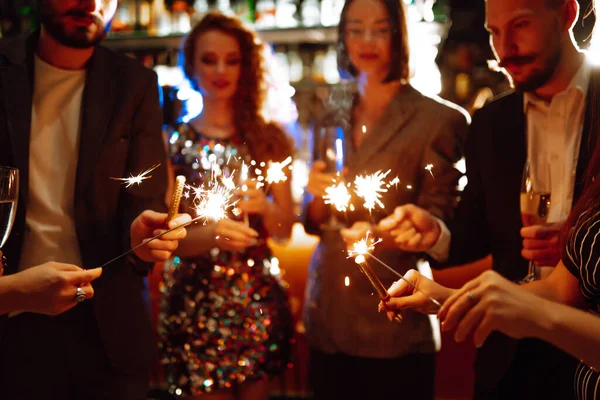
(554, 131)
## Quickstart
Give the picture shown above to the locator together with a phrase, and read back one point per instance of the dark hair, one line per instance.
(265, 140)
(400, 69)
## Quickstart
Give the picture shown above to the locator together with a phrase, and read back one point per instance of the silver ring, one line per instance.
(79, 295)
(472, 297)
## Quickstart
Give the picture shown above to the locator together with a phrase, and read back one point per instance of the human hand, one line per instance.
(149, 224)
(541, 244)
(491, 303)
(50, 288)
(412, 228)
(404, 295)
(233, 235)
(360, 229)
(253, 199)
(318, 181)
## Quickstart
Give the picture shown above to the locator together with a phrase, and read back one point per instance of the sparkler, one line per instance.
(176, 197)
(429, 167)
(275, 172)
(136, 180)
(212, 204)
(338, 196)
(370, 188)
(363, 248)
(358, 251)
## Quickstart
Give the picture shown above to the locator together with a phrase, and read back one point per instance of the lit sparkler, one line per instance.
(429, 167)
(338, 196)
(213, 204)
(370, 188)
(275, 172)
(359, 250)
(364, 247)
(137, 179)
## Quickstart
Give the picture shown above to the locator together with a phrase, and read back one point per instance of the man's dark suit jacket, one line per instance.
(488, 219)
(121, 134)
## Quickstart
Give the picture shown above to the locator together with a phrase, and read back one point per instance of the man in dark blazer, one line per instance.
(73, 115)
(533, 42)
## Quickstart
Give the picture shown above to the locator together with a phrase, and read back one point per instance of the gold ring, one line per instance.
(472, 297)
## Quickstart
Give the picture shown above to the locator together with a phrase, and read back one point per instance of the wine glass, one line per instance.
(9, 195)
(535, 202)
(331, 151)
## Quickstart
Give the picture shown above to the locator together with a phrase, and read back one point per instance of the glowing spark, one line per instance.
(275, 172)
(429, 168)
(370, 187)
(347, 281)
(338, 196)
(228, 182)
(362, 247)
(364, 129)
(136, 180)
(213, 204)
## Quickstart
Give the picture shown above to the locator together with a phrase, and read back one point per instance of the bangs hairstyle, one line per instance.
(265, 140)
(399, 68)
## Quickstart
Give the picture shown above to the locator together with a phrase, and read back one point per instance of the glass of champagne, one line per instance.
(535, 202)
(331, 151)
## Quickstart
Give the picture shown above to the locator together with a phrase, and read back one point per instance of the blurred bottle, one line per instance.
(200, 9)
(244, 9)
(161, 19)
(265, 14)
(311, 13)
(318, 66)
(296, 65)
(330, 68)
(224, 6)
(124, 20)
(143, 15)
(180, 19)
(331, 11)
(285, 14)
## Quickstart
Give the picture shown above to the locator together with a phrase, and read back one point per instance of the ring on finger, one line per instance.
(472, 297)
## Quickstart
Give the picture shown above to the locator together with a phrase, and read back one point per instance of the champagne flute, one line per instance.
(535, 202)
(9, 195)
(331, 151)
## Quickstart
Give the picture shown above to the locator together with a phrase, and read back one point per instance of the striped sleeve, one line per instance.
(582, 253)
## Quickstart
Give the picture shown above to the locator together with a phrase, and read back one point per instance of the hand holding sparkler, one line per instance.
(415, 291)
(232, 235)
(318, 180)
(358, 251)
(412, 228)
(253, 199)
(360, 229)
(149, 224)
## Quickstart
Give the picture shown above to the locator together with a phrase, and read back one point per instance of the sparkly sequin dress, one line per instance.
(224, 316)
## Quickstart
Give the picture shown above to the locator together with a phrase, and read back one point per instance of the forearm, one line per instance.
(543, 289)
(278, 222)
(199, 241)
(574, 331)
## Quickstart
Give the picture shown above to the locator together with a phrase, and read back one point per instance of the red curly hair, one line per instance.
(265, 140)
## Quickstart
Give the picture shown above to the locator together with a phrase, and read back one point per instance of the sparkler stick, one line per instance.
(150, 240)
(358, 251)
(392, 270)
(383, 294)
(176, 197)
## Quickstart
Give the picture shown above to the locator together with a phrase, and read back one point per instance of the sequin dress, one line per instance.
(224, 316)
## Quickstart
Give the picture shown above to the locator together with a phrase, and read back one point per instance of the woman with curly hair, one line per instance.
(225, 323)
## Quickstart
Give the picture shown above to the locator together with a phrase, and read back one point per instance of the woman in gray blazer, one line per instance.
(387, 124)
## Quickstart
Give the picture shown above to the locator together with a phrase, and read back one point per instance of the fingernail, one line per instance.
(444, 327)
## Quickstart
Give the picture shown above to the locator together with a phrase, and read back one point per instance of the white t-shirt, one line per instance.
(50, 233)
